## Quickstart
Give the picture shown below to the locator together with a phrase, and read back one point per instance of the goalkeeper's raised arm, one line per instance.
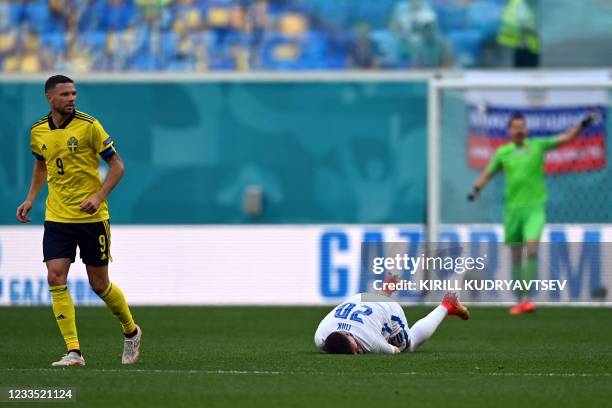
(574, 132)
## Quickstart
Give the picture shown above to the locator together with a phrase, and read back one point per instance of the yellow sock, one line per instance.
(116, 303)
(65, 316)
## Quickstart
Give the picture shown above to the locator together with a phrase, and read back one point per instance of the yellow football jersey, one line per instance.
(72, 154)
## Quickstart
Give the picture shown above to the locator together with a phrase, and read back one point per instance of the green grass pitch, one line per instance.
(240, 356)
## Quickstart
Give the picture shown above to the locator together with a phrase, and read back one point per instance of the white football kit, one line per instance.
(378, 327)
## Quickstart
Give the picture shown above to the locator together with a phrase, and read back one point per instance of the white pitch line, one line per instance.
(502, 374)
(154, 371)
(259, 372)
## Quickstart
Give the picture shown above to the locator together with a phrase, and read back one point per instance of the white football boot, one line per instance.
(131, 348)
(69, 359)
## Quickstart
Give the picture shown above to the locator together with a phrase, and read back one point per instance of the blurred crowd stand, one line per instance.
(241, 35)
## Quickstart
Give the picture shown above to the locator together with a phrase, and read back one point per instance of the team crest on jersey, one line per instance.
(73, 144)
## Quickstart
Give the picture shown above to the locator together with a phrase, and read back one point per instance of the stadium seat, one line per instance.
(280, 52)
(466, 46)
(168, 46)
(118, 16)
(335, 13)
(31, 63)
(218, 15)
(226, 55)
(95, 41)
(293, 25)
(92, 17)
(10, 15)
(36, 16)
(143, 62)
(8, 42)
(337, 52)
(452, 18)
(375, 12)
(273, 55)
(485, 16)
(54, 41)
(222, 62)
(389, 48)
(166, 18)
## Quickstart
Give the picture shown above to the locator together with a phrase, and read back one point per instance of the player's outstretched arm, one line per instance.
(487, 174)
(115, 173)
(383, 347)
(480, 183)
(574, 132)
(39, 175)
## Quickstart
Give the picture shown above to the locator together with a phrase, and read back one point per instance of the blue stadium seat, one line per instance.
(95, 40)
(11, 15)
(118, 17)
(36, 16)
(93, 15)
(178, 9)
(166, 19)
(142, 38)
(222, 62)
(269, 51)
(336, 12)
(238, 38)
(180, 66)
(281, 53)
(315, 50)
(143, 61)
(337, 51)
(466, 46)
(5, 17)
(17, 13)
(375, 12)
(486, 16)
(168, 46)
(54, 25)
(220, 50)
(55, 41)
(389, 49)
(224, 3)
(452, 18)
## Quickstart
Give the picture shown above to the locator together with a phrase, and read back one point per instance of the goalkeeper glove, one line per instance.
(473, 196)
(588, 121)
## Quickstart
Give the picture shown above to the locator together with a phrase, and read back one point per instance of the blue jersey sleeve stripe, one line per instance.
(38, 156)
(105, 154)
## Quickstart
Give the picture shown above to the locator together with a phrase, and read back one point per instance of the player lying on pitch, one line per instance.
(357, 327)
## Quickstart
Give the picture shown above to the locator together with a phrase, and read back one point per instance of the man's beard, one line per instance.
(67, 111)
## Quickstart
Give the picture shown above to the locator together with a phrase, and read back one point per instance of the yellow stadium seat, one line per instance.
(286, 52)
(293, 25)
(219, 17)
